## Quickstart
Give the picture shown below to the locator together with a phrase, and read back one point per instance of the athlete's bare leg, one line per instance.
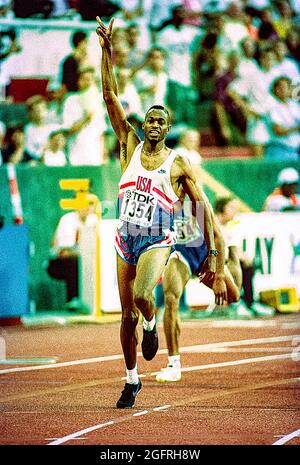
(176, 275)
(130, 314)
(136, 286)
(149, 269)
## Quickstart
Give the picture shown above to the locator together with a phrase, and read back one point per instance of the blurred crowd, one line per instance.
(230, 66)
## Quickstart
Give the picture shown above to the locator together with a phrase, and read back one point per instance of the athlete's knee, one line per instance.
(171, 300)
(129, 320)
(142, 298)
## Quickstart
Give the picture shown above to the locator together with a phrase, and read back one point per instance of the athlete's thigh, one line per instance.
(175, 277)
(150, 267)
(126, 274)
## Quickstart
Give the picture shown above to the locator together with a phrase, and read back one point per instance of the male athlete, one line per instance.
(153, 178)
(186, 261)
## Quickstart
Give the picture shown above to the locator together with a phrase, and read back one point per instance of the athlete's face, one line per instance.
(156, 125)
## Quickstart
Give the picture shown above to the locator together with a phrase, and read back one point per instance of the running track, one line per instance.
(240, 385)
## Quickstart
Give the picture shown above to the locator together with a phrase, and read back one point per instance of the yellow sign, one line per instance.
(74, 184)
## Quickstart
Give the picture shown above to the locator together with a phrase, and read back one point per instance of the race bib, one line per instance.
(187, 230)
(138, 208)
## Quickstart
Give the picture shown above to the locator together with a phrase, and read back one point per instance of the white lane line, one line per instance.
(193, 348)
(244, 361)
(246, 350)
(287, 438)
(243, 324)
(64, 364)
(138, 414)
(143, 412)
(79, 433)
(244, 342)
(163, 407)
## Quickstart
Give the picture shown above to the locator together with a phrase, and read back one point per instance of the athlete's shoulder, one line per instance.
(181, 160)
(182, 165)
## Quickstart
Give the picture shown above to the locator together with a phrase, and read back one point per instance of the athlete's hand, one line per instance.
(208, 269)
(104, 33)
(220, 290)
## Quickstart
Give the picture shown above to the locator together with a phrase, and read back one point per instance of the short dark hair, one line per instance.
(78, 37)
(221, 203)
(158, 107)
(277, 80)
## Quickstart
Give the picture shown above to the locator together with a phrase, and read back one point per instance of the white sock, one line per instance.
(132, 376)
(149, 325)
(174, 360)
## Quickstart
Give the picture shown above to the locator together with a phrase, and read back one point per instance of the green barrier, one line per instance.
(251, 180)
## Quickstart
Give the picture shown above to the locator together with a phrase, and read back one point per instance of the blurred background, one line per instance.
(228, 71)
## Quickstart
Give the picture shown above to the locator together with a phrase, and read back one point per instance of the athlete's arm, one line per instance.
(234, 265)
(219, 285)
(115, 110)
(190, 187)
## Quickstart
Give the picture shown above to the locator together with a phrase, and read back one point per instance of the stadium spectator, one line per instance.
(188, 145)
(293, 44)
(206, 61)
(118, 39)
(136, 52)
(14, 149)
(9, 46)
(177, 38)
(285, 21)
(251, 28)
(54, 155)
(71, 64)
(251, 93)
(55, 99)
(284, 65)
(235, 29)
(152, 80)
(159, 12)
(228, 119)
(284, 123)
(128, 94)
(284, 197)
(248, 65)
(37, 130)
(6, 9)
(60, 8)
(267, 31)
(84, 119)
(120, 55)
(64, 253)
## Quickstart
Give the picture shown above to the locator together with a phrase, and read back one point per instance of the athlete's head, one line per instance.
(157, 123)
(226, 208)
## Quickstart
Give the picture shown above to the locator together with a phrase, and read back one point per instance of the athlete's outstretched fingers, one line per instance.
(103, 28)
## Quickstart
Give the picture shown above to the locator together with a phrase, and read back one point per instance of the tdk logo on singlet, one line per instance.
(143, 184)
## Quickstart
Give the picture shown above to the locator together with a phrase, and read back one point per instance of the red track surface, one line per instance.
(257, 402)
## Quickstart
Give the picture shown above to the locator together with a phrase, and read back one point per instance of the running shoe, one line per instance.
(149, 343)
(169, 374)
(129, 394)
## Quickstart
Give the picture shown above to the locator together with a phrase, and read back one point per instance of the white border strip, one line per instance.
(287, 438)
